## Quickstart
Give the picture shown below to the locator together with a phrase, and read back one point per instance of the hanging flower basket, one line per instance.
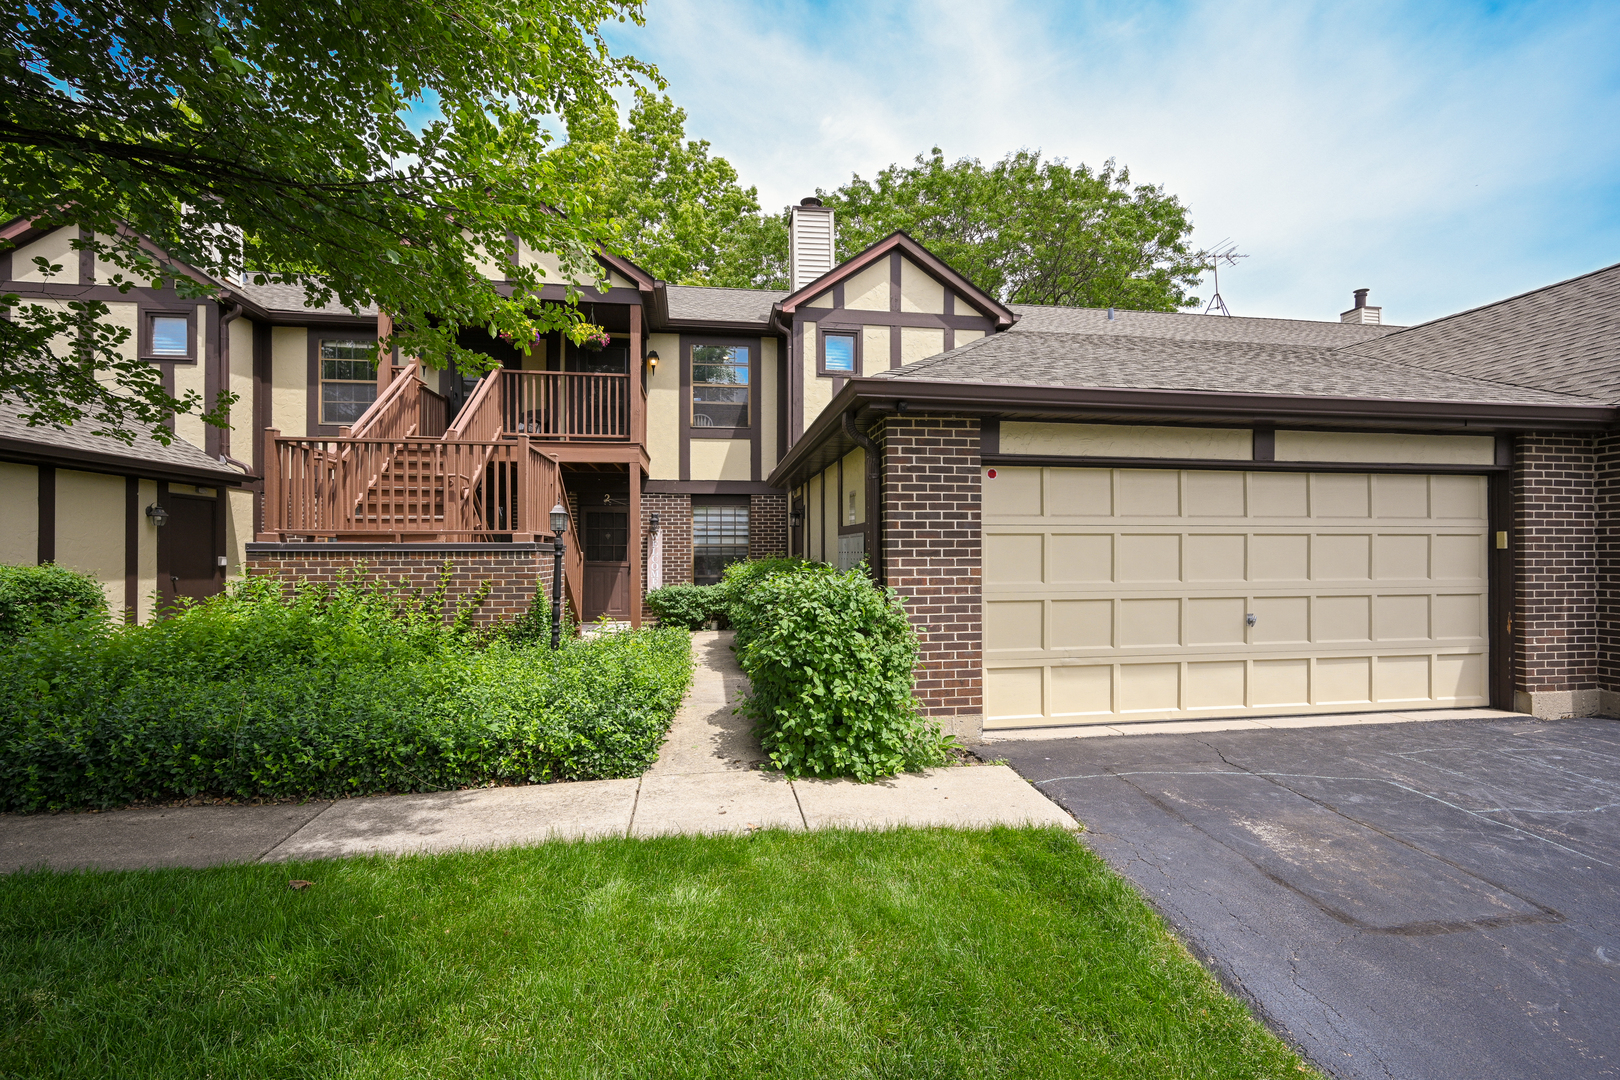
(596, 341)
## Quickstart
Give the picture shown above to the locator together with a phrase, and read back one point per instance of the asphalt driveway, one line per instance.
(1426, 900)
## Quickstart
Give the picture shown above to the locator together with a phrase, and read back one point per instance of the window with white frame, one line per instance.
(348, 379)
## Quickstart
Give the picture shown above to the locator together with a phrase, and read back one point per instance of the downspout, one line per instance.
(874, 496)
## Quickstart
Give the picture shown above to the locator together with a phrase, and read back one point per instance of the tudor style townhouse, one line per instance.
(1094, 516)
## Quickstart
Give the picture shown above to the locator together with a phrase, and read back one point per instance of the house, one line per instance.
(1093, 515)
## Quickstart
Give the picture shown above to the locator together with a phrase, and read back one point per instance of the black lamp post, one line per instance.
(559, 526)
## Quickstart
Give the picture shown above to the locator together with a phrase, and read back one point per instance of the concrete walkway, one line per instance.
(706, 780)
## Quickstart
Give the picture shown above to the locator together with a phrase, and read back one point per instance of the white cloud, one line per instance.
(1444, 157)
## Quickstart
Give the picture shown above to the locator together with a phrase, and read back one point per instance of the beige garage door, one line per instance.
(1153, 594)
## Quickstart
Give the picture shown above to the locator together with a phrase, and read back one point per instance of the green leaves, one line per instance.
(1031, 231)
(279, 140)
(830, 659)
(317, 691)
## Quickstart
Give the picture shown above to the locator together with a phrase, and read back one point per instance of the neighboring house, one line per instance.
(1095, 516)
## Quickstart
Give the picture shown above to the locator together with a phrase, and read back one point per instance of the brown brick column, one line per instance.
(767, 526)
(1606, 551)
(514, 571)
(932, 554)
(1556, 611)
(675, 525)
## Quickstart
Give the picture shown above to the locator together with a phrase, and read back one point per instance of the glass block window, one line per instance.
(720, 386)
(840, 352)
(348, 379)
(171, 335)
(719, 538)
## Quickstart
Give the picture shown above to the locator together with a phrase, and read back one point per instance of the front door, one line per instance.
(188, 554)
(607, 564)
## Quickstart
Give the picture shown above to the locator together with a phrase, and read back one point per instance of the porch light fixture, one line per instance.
(159, 516)
(796, 517)
(652, 523)
(652, 359)
(559, 526)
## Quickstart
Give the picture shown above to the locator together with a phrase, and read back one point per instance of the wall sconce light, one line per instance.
(159, 516)
(652, 359)
(796, 517)
(652, 523)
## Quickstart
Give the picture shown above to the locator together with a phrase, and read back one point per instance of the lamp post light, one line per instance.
(559, 526)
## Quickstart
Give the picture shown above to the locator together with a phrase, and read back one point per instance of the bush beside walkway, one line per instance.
(319, 692)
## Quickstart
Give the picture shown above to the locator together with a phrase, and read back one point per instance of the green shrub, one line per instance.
(318, 691)
(46, 595)
(741, 576)
(690, 606)
(830, 661)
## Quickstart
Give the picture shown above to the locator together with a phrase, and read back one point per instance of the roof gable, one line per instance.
(868, 270)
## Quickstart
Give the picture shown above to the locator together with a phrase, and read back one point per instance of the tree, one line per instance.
(674, 209)
(1032, 231)
(279, 132)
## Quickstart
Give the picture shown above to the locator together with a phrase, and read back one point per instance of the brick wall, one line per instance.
(1606, 553)
(675, 524)
(1555, 521)
(513, 570)
(767, 526)
(931, 552)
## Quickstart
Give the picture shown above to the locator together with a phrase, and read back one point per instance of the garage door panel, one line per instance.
(1080, 557)
(1125, 594)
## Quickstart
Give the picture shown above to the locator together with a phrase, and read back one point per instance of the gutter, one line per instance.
(1118, 405)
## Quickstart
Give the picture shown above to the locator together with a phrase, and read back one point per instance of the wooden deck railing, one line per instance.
(407, 489)
(566, 405)
(406, 409)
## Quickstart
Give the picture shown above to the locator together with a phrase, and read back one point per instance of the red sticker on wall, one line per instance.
(991, 474)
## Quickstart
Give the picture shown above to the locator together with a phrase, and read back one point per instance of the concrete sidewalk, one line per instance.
(706, 780)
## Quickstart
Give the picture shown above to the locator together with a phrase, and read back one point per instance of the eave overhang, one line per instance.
(824, 441)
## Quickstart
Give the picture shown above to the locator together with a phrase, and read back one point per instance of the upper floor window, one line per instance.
(840, 352)
(168, 335)
(348, 379)
(171, 335)
(720, 386)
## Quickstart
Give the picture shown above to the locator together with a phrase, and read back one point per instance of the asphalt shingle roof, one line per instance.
(1145, 363)
(721, 305)
(1187, 326)
(179, 454)
(291, 298)
(1564, 337)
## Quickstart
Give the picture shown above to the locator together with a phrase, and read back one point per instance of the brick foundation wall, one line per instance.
(932, 556)
(513, 570)
(1555, 618)
(675, 524)
(767, 526)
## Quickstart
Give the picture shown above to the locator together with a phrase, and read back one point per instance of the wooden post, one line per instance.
(635, 528)
(637, 388)
(385, 362)
(272, 486)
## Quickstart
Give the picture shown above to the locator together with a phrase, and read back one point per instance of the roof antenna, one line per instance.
(1223, 252)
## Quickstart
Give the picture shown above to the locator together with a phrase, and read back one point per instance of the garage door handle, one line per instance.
(1251, 618)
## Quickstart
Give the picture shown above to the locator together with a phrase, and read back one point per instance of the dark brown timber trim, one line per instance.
(47, 514)
(132, 547)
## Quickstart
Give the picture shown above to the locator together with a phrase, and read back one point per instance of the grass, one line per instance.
(924, 953)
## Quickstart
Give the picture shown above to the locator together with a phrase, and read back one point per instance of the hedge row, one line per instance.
(319, 691)
(693, 606)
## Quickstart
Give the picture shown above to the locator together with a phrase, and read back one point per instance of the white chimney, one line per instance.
(810, 242)
(1361, 313)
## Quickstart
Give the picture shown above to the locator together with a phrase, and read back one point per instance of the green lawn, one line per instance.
(903, 954)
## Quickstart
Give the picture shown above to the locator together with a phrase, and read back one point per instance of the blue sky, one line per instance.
(1443, 155)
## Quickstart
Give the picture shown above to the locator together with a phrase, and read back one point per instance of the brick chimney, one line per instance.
(810, 241)
(1361, 313)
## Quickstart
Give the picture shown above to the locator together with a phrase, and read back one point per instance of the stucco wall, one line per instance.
(289, 379)
(721, 459)
(768, 391)
(190, 376)
(920, 342)
(918, 291)
(869, 289)
(664, 408)
(90, 528)
(19, 508)
(55, 247)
